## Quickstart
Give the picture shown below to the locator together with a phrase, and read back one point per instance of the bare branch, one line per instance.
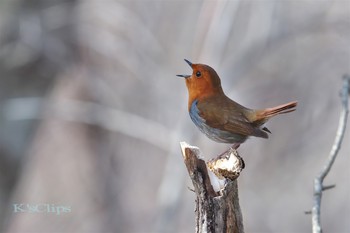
(318, 181)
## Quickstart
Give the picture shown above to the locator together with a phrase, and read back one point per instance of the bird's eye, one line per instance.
(198, 74)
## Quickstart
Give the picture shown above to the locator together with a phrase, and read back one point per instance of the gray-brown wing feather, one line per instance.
(221, 113)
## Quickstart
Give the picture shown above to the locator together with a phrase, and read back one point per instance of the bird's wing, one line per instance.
(223, 113)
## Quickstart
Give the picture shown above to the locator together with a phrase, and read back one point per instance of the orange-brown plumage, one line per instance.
(219, 117)
(209, 85)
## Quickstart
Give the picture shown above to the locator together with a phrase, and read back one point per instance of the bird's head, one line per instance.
(203, 82)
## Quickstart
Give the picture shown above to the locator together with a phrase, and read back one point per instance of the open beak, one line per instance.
(188, 62)
(183, 75)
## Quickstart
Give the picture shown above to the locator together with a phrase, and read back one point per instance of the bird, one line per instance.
(219, 117)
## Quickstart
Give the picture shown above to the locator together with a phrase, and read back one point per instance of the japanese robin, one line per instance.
(220, 118)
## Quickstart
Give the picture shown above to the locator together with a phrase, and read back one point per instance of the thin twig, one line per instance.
(318, 182)
(328, 187)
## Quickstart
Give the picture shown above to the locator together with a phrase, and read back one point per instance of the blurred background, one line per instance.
(91, 112)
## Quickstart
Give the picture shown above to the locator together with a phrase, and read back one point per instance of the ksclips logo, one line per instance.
(41, 208)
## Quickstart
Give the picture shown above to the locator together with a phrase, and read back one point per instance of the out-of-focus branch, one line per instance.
(90, 113)
(318, 182)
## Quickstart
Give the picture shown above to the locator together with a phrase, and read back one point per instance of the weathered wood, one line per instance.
(215, 211)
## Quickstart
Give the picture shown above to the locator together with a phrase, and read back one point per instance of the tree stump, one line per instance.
(216, 210)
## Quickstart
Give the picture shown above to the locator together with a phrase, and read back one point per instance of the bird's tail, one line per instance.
(263, 115)
(280, 109)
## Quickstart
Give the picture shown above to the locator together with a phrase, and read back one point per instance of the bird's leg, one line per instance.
(235, 146)
(231, 148)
